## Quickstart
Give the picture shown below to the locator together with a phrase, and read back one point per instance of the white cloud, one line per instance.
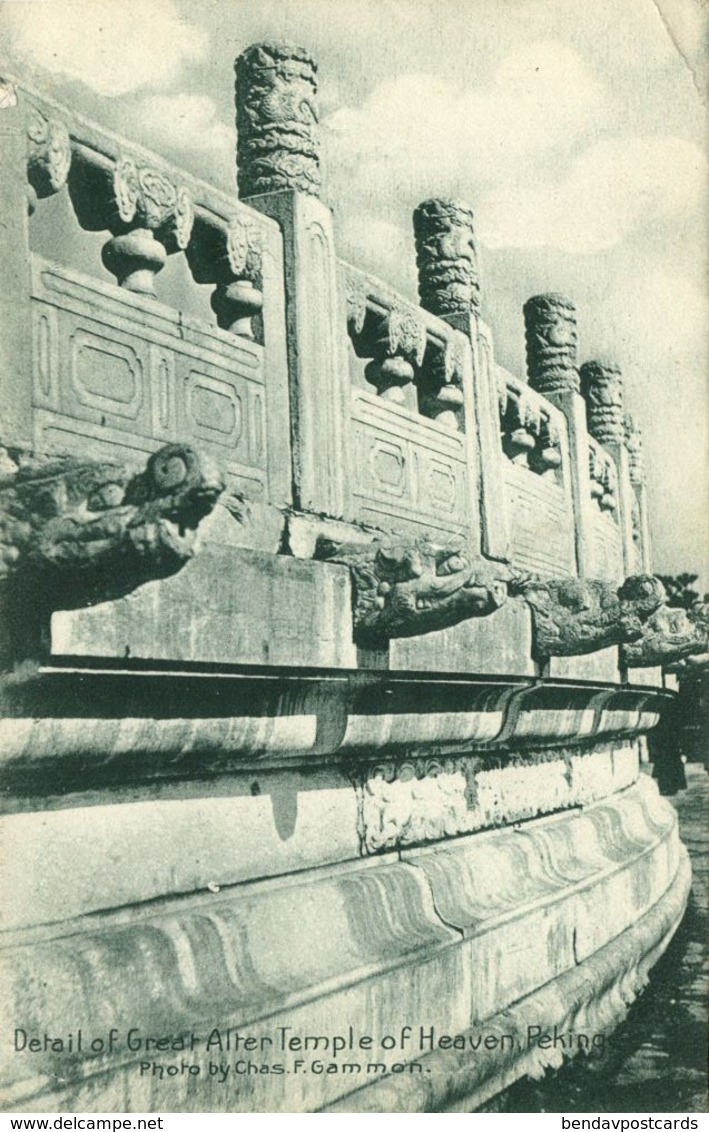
(187, 122)
(540, 100)
(659, 319)
(612, 189)
(111, 45)
(384, 249)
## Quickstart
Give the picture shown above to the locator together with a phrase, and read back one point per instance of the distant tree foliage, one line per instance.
(681, 591)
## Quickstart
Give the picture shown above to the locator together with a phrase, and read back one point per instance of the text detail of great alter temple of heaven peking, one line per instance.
(330, 647)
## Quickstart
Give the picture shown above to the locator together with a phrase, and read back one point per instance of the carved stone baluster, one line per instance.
(522, 428)
(48, 157)
(154, 217)
(400, 346)
(609, 498)
(276, 120)
(449, 282)
(602, 389)
(445, 401)
(239, 300)
(595, 471)
(547, 454)
(550, 324)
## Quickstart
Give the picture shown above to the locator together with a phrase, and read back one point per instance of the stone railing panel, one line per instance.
(414, 457)
(606, 540)
(115, 371)
(535, 468)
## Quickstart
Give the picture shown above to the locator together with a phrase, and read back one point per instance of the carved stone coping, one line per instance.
(364, 292)
(58, 720)
(531, 426)
(106, 146)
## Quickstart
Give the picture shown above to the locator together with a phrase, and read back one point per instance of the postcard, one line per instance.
(353, 564)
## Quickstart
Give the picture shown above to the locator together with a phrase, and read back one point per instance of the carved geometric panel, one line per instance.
(105, 374)
(214, 409)
(541, 522)
(407, 468)
(107, 362)
(387, 465)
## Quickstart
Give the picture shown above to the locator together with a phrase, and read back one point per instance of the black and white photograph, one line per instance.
(354, 560)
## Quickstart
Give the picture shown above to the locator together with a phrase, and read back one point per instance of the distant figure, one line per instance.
(665, 749)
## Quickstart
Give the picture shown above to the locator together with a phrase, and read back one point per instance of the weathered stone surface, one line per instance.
(602, 389)
(173, 841)
(236, 606)
(600, 665)
(500, 644)
(149, 213)
(168, 967)
(550, 323)
(449, 282)
(408, 588)
(572, 616)
(277, 120)
(76, 532)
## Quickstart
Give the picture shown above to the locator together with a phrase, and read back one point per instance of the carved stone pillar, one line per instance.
(449, 286)
(550, 324)
(636, 455)
(278, 170)
(446, 256)
(154, 216)
(602, 390)
(276, 120)
(636, 472)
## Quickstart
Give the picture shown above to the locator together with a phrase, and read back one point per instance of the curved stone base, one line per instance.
(587, 1002)
(483, 934)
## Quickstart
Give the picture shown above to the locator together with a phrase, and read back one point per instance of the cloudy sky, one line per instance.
(576, 130)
